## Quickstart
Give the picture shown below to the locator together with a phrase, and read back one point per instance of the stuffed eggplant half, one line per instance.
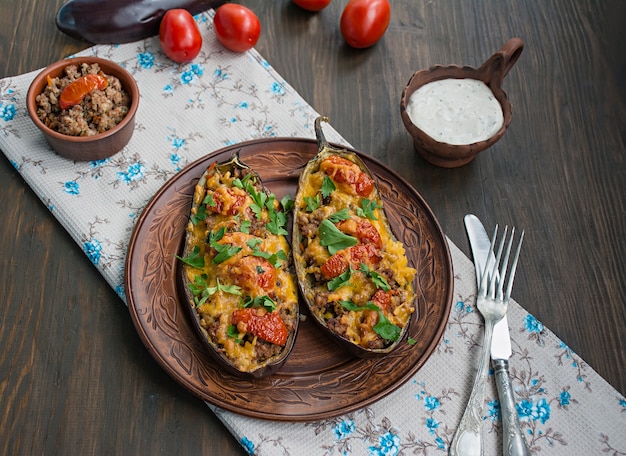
(352, 271)
(237, 271)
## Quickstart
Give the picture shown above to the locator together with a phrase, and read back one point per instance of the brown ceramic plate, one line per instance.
(319, 380)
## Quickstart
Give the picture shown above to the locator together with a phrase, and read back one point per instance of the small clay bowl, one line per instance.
(492, 73)
(86, 148)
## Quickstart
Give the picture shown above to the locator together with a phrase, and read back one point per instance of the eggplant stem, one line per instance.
(319, 134)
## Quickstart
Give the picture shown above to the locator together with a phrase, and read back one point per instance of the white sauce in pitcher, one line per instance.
(456, 111)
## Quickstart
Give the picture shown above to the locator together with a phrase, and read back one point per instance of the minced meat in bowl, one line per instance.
(99, 110)
(98, 119)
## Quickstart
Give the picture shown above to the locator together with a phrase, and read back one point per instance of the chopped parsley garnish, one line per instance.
(327, 187)
(335, 240)
(201, 213)
(259, 301)
(340, 281)
(411, 341)
(378, 280)
(384, 328)
(254, 242)
(224, 251)
(338, 216)
(278, 219)
(194, 259)
(312, 202)
(287, 203)
(367, 208)
(201, 291)
(244, 227)
(234, 333)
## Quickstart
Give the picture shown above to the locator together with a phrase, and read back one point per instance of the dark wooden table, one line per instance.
(76, 379)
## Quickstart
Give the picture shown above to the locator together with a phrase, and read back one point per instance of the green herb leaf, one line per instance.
(349, 305)
(234, 333)
(254, 242)
(194, 259)
(327, 187)
(224, 251)
(411, 341)
(244, 227)
(340, 281)
(377, 279)
(259, 301)
(338, 216)
(287, 203)
(385, 329)
(244, 183)
(199, 216)
(312, 202)
(202, 291)
(208, 200)
(278, 219)
(334, 239)
(367, 208)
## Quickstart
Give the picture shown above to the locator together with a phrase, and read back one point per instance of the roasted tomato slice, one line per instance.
(350, 257)
(343, 171)
(362, 229)
(265, 325)
(74, 93)
(254, 274)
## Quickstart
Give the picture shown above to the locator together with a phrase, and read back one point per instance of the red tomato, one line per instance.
(267, 326)
(312, 5)
(364, 22)
(343, 171)
(74, 93)
(179, 36)
(236, 27)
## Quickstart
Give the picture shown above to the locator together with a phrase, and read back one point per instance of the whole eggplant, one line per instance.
(121, 21)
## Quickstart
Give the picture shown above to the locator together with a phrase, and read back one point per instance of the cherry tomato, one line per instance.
(312, 5)
(179, 36)
(74, 93)
(364, 22)
(236, 27)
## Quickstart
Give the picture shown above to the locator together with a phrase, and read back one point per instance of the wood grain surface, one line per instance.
(75, 377)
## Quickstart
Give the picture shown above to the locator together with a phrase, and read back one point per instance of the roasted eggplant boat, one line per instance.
(352, 272)
(237, 271)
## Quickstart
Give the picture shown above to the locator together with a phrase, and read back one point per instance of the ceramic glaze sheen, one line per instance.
(456, 111)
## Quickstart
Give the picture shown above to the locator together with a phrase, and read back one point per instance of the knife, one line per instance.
(513, 441)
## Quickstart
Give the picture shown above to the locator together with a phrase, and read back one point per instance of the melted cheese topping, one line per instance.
(215, 313)
(360, 289)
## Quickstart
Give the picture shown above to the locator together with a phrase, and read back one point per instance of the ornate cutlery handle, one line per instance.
(513, 441)
(468, 439)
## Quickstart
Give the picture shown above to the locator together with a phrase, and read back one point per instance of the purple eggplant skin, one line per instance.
(121, 21)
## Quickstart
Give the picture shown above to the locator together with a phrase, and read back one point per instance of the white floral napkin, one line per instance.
(222, 98)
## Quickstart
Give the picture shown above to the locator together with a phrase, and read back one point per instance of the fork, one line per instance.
(492, 302)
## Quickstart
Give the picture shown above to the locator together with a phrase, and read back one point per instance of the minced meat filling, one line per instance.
(99, 111)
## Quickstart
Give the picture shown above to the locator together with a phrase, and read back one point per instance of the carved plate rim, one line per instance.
(291, 394)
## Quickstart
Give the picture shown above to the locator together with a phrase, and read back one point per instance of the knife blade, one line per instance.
(481, 244)
(513, 441)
